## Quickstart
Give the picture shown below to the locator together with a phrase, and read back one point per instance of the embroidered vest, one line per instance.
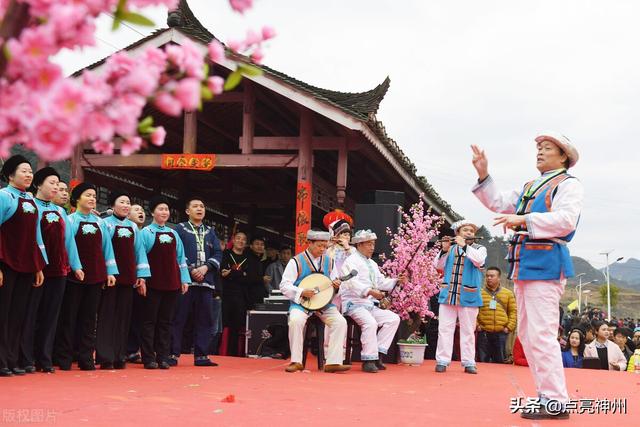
(540, 259)
(307, 267)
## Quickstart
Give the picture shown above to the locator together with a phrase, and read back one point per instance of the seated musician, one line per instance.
(360, 297)
(460, 296)
(313, 260)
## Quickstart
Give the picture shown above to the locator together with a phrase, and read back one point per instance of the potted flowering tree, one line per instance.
(411, 255)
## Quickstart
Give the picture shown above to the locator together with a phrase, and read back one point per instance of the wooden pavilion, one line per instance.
(283, 152)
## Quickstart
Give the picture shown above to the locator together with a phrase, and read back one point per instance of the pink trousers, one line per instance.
(538, 304)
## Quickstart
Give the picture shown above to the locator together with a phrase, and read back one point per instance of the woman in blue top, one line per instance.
(169, 277)
(116, 302)
(22, 258)
(45, 301)
(80, 305)
(573, 351)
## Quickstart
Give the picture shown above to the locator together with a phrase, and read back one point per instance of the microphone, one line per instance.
(353, 273)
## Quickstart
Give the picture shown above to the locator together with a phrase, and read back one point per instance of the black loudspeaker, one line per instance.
(383, 197)
(378, 218)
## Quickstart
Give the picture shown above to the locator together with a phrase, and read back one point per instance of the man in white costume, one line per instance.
(360, 297)
(313, 260)
(544, 215)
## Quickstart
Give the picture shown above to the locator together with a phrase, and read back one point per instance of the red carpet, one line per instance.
(267, 396)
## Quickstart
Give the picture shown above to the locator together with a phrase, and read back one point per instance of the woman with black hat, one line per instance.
(169, 276)
(45, 301)
(22, 258)
(80, 305)
(114, 313)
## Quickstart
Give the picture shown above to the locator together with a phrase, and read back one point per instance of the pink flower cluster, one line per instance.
(418, 227)
(252, 43)
(50, 114)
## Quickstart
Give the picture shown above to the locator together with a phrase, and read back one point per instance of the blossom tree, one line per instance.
(50, 114)
(411, 255)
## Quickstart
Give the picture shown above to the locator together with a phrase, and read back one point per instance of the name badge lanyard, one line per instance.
(199, 243)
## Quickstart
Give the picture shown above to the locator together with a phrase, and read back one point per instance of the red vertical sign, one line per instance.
(303, 214)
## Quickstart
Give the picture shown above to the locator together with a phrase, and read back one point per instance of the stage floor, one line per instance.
(262, 394)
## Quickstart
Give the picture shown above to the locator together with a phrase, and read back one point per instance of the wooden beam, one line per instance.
(189, 141)
(248, 113)
(293, 143)
(146, 161)
(228, 97)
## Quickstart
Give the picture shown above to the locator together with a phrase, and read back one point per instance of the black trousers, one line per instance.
(133, 342)
(114, 316)
(77, 315)
(46, 323)
(234, 315)
(199, 301)
(14, 299)
(491, 346)
(157, 315)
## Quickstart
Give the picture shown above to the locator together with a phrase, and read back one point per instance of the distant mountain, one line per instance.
(628, 271)
(591, 273)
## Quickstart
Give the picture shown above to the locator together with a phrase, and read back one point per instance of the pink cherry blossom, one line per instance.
(268, 33)
(236, 45)
(104, 147)
(257, 55)
(216, 51)
(168, 104)
(411, 300)
(130, 146)
(50, 114)
(241, 5)
(158, 136)
(187, 92)
(215, 84)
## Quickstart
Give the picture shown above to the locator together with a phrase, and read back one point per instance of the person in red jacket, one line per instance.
(518, 354)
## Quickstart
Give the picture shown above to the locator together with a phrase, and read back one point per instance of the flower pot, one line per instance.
(412, 354)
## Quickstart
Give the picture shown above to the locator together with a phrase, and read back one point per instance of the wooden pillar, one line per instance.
(341, 181)
(304, 188)
(190, 138)
(248, 118)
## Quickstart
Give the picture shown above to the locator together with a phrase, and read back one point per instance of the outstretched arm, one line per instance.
(486, 190)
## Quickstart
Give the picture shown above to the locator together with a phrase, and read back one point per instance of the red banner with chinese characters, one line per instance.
(200, 162)
(303, 214)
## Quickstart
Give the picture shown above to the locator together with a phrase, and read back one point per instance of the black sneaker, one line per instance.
(134, 358)
(90, 366)
(380, 365)
(163, 365)
(151, 365)
(369, 366)
(120, 364)
(30, 369)
(441, 368)
(18, 371)
(48, 370)
(64, 367)
(204, 362)
(542, 414)
(106, 366)
(6, 372)
(471, 370)
(172, 360)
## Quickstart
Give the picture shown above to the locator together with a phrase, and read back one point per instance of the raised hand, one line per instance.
(480, 162)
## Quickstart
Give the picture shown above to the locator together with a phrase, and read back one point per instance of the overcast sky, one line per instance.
(492, 73)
